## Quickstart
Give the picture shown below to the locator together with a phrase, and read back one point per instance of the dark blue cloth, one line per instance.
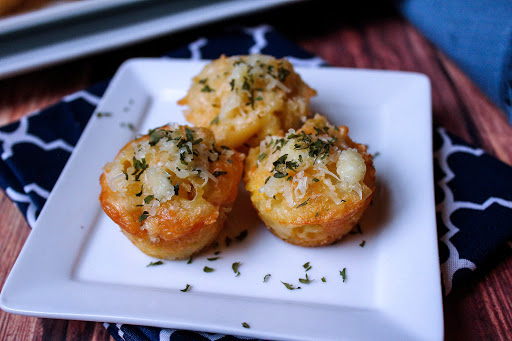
(474, 209)
(476, 34)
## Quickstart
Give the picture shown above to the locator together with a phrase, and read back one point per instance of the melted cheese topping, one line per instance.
(250, 78)
(244, 98)
(297, 161)
(163, 164)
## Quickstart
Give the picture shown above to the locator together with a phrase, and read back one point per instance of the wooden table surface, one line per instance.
(376, 38)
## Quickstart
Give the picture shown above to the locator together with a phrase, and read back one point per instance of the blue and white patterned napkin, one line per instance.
(473, 190)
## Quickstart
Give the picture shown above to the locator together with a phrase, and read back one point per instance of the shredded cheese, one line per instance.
(170, 161)
(298, 160)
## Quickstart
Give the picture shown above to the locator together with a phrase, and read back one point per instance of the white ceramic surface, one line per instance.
(76, 264)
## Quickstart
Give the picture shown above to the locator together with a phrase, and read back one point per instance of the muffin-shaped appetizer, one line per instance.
(242, 99)
(311, 186)
(170, 190)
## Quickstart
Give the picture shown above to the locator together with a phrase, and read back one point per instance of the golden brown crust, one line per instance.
(244, 98)
(184, 221)
(314, 219)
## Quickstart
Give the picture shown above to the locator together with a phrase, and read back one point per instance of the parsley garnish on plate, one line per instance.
(207, 269)
(343, 274)
(267, 276)
(186, 288)
(246, 325)
(305, 280)
(324, 280)
(235, 267)
(362, 243)
(211, 259)
(104, 114)
(289, 286)
(307, 266)
(155, 263)
(242, 235)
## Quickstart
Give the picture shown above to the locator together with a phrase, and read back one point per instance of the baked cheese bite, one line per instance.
(170, 190)
(310, 186)
(242, 99)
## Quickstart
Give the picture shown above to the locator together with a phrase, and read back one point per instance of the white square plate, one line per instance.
(76, 264)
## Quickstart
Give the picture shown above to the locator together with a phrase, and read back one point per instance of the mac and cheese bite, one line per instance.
(242, 99)
(170, 191)
(310, 186)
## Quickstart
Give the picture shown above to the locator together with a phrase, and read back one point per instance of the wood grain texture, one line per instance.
(370, 35)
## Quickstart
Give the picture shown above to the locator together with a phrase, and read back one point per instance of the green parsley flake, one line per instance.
(267, 276)
(190, 260)
(304, 203)
(219, 173)
(155, 135)
(215, 120)
(199, 140)
(155, 263)
(343, 274)
(140, 193)
(242, 235)
(140, 167)
(207, 88)
(104, 114)
(280, 175)
(235, 267)
(290, 286)
(211, 259)
(305, 280)
(362, 243)
(246, 325)
(148, 199)
(324, 280)
(262, 156)
(207, 269)
(143, 216)
(190, 134)
(186, 288)
(282, 73)
(315, 180)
